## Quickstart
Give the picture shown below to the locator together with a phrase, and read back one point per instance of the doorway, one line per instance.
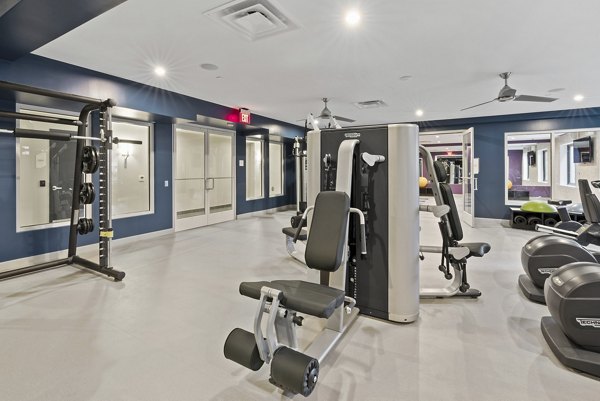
(204, 177)
(455, 150)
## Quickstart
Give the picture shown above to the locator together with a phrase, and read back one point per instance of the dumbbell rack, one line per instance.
(106, 139)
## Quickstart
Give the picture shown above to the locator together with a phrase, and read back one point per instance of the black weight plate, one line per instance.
(89, 160)
(86, 193)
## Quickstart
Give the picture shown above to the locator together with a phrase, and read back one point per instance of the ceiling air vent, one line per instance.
(254, 19)
(370, 104)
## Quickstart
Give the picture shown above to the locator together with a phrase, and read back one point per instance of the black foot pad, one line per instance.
(567, 352)
(529, 289)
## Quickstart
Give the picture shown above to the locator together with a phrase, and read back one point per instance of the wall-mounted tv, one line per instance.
(531, 158)
(583, 150)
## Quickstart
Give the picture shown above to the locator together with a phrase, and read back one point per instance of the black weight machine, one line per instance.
(88, 160)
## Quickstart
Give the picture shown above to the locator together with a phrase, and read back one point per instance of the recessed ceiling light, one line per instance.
(316, 121)
(437, 136)
(578, 98)
(209, 66)
(160, 71)
(352, 18)
(419, 112)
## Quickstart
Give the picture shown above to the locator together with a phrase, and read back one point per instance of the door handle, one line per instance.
(475, 179)
(212, 184)
(55, 188)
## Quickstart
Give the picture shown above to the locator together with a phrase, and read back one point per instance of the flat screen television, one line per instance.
(531, 158)
(583, 150)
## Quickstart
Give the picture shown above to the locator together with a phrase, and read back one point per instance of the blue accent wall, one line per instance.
(163, 106)
(489, 147)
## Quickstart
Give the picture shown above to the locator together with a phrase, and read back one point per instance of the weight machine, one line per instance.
(88, 160)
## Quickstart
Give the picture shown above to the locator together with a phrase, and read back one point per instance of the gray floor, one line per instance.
(67, 335)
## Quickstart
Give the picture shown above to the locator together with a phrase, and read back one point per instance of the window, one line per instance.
(131, 169)
(543, 165)
(525, 168)
(570, 165)
(45, 171)
(276, 171)
(254, 168)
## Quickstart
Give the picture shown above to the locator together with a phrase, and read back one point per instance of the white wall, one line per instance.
(534, 170)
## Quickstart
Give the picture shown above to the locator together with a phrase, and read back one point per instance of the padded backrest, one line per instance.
(440, 171)
(591, 206)
(453, 217)
(327, 236)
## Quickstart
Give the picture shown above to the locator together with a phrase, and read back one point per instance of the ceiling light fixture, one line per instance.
(352, 18)
(419, 113)
(578, 98)
(160, 71)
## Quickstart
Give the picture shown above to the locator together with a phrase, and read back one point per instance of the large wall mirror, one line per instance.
(547, 165)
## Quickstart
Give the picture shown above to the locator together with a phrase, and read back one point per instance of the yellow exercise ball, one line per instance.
(509, 184)
(422, 182)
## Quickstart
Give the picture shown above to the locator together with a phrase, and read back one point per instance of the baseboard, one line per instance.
(81, 250)
(267, 211)
(483, 222)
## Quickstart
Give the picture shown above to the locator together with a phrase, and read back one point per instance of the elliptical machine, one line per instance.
(573, 329)
(543, 255)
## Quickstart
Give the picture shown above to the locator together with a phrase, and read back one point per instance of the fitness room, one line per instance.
(240, 200)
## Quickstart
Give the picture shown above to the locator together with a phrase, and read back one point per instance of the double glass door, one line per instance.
(204, 180)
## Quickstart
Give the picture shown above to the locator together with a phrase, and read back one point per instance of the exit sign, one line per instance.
(245, 116)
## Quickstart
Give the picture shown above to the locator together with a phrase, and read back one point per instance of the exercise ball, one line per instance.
(422, 182)
(508, 184)
(538, 207)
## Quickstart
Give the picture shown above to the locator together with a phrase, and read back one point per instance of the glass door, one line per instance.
(204, 180)
(469, 179)
(220, 182)
(189, 179)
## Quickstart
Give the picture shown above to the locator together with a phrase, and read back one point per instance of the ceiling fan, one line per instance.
(326, 114)
(507, 93)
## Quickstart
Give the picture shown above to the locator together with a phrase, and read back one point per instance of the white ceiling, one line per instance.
(452, 49)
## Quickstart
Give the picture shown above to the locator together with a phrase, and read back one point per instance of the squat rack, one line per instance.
(106, 141)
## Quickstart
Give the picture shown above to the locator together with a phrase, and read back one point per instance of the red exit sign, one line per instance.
(245, 116)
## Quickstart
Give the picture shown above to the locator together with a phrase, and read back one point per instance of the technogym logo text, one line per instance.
(352, 134)
(588, 322)
(547, 270)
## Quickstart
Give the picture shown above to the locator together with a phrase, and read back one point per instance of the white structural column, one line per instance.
(403, 197)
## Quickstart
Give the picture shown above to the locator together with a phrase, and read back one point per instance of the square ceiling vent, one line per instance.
(254, 19)
(370, 104)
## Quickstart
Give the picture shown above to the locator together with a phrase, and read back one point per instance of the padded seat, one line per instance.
(291, 231)
(477, 249)
(310, 298)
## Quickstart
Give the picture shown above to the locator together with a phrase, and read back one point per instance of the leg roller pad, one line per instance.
(294, 371)
(241, 347)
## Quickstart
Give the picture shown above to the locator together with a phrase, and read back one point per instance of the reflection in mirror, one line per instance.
(529, 171)
(547, 165)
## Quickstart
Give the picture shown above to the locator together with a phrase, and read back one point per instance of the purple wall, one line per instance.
(515, 166)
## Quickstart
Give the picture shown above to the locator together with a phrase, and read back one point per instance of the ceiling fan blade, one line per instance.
(477, 105)
(528, 98)
(344, 119)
